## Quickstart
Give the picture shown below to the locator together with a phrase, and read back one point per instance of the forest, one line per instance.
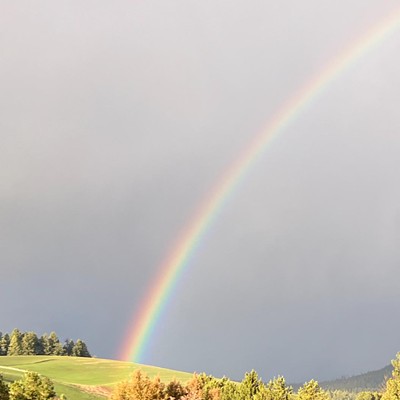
(29, 343)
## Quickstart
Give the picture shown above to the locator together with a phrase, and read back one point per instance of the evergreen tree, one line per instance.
(80, 350)
(392, 391)
(15, 347)
(250, 386)
(4, 344)
(32, 387)
(51, 345)
(312, 391)
(30, 344)
(229, 389)
(68, 347)
(54, 345)
(276, 389)
(3, 389)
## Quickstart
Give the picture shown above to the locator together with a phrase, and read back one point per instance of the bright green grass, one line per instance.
(66, 372)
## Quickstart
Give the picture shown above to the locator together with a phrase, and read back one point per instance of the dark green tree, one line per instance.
(55, 346)
(68, 347)
(80, 349)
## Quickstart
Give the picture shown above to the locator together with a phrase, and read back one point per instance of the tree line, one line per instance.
(203, 387)
(29, 343)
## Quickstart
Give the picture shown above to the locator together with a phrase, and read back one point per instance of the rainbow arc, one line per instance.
(145, 322)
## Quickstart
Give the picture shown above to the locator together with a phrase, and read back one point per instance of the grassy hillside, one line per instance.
(81, 378)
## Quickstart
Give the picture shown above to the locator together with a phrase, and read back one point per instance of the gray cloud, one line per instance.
(116, 121)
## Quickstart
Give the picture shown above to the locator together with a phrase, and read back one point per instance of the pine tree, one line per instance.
(312, 391)
(276, 389)
(68, 347)
(250, 386)
(30, 344)
(54, 346)
(15, 347)
(4, 344)
(392, 391)
(80, 349)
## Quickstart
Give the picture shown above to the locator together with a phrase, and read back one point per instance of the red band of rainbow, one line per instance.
(144, 323)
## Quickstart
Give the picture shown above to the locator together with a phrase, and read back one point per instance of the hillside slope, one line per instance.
(81, 378)
(373, 380)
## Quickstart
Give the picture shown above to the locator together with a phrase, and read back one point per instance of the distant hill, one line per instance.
(372, 380)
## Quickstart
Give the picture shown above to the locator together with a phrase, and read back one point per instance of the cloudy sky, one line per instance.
(116, 120)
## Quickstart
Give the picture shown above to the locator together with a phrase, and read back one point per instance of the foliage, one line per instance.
(15, 347)
(312, 391)
(250, 386)
(79, 349)
(3, 389)
(32, 387)
(276, 389)
(392, 391)
(4, 344)
(139, 387)
(366, 395)
(27, 343)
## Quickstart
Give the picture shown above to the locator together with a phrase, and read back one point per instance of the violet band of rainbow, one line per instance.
(145, 322)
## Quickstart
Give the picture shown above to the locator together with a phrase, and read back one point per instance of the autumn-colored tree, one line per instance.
(174, 390)
(194, 389)
(139, 387)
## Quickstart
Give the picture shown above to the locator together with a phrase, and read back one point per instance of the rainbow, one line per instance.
(145, 322)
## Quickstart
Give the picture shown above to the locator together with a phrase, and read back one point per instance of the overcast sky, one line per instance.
(116, 120)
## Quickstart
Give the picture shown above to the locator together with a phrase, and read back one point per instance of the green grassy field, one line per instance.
(81, 378)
